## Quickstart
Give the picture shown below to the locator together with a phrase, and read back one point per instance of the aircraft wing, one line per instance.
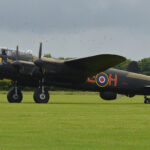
(76, 69)
(95, 64)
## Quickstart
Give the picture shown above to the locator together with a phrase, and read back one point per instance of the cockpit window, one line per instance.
(11, 54)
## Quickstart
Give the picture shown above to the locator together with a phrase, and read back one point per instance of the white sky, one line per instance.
(77, 28)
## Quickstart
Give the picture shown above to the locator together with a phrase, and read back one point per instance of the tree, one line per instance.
(124, 65)
(144, 65)
(48, 55)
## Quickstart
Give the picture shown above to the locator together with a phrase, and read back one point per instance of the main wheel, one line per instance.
(41, 96)
(147, 101)
(13, 96)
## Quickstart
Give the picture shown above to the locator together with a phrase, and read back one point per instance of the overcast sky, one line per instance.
(77, 28)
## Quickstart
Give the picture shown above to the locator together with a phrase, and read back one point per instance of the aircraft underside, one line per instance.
(41, 94)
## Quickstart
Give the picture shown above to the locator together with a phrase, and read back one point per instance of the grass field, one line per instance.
(73, 122)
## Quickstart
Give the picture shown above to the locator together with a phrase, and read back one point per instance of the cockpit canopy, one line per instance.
(11, 54)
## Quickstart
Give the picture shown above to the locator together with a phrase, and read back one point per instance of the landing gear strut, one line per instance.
(147, 100)
(41, 94)
(14, 94)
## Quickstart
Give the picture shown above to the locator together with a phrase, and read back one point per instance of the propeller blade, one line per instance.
(39, 63)
(17, 52)
(40, 50)
(16, 63)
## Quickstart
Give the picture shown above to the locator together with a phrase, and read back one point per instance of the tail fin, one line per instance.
(133, 67)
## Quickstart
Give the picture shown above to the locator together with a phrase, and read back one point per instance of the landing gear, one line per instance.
(147, 100)
(14, 95)
(41, 94)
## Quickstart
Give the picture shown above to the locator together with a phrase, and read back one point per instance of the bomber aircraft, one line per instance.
(94, 73)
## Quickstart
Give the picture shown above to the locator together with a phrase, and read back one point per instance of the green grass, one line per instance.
(73, 122)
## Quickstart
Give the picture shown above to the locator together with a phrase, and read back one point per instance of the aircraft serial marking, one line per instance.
(113, 80)
(103, 80)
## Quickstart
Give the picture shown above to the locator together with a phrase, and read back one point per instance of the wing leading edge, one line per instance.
(95, 64)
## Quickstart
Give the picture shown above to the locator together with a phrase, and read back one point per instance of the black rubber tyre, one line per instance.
(147, 101)
(40, 97)
(12, 97)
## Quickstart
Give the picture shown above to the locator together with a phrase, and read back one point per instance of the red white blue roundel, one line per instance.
(102, 79)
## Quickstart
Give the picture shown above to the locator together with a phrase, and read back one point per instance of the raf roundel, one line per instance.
(102, 79)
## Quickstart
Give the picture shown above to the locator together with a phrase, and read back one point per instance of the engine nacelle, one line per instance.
(106, 95)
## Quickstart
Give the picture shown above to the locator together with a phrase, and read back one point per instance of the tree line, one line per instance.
(143, 65)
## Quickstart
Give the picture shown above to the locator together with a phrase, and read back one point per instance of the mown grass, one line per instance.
(74, 121)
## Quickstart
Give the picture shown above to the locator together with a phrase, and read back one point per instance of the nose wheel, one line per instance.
(14, 95)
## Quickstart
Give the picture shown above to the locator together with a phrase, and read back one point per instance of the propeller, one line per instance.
(39, 63)
(16, 63)
(17, 52)
(40, 50)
